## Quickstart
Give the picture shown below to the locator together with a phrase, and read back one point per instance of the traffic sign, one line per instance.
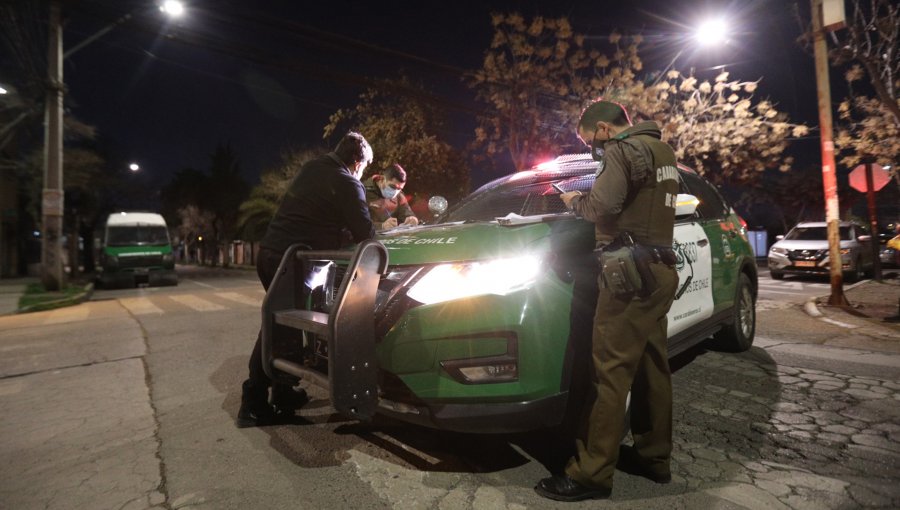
(880, 178)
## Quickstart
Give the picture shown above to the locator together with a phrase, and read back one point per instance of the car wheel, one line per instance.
(776, 275)
(855, 274)
(738, 336)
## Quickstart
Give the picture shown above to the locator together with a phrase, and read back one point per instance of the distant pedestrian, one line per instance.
(632, 199)
(387, 203)
(324, 202)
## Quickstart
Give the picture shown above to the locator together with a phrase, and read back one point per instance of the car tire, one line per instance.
(776, 275)
(738, 335)
(855, 274)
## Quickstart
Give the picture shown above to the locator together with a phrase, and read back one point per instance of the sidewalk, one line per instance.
(11, 289)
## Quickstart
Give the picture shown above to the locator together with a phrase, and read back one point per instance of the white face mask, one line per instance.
(389, 192)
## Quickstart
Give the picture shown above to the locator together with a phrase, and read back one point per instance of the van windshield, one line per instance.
(135, 235)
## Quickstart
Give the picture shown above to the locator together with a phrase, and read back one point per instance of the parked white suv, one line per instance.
(804, 250)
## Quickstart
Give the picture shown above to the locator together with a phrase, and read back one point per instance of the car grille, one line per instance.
(815, 255)
(140, 261)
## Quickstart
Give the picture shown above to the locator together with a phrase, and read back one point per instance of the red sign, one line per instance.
(880, 178)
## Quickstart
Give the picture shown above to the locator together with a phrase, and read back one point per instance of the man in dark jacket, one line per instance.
(325, 200)
(635, 192)
(387, 204)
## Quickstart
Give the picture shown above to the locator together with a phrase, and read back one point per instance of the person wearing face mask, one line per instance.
(632, 199)
(324, 208)
(387, 204)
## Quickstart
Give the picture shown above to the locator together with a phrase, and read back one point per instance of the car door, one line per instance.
(722, 232)
(693, 298)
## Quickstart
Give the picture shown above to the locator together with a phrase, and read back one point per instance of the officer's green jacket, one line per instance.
(639, 171)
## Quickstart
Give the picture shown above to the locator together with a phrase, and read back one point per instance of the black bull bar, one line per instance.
(348, 325)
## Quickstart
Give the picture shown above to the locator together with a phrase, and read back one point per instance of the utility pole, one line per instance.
(829, 177)
(52, 274)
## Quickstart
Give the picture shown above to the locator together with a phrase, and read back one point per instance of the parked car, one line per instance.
(890, 252)
(804, 250)
(482, 320)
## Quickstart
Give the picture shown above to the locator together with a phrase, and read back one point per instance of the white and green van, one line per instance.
(136, 250)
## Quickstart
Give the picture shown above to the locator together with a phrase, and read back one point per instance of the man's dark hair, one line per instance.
(395, 171)
(604, 111)
(353, 148)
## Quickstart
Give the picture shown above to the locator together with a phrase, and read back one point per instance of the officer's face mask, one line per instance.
(389, 191)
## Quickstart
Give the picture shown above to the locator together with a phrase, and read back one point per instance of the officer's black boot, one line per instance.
(255, 410)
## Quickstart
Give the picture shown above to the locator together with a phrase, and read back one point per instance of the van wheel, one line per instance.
(738, 336)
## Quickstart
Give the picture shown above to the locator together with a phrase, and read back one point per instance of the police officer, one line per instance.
(324, 201)
(387, 204)
(634, 192)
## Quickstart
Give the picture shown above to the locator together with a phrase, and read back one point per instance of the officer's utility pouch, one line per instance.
(618, 270)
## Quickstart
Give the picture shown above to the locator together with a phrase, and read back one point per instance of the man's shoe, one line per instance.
(631, 462)
(288, 399)
(255, 416)
(563, 488)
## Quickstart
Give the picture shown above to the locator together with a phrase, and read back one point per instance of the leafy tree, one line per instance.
(215, 197)
(257, 211)
(533, 78)
(401, 128)
(536, 78)
(869, 128)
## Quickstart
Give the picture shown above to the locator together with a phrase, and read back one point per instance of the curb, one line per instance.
(810, 308)
(81, 297)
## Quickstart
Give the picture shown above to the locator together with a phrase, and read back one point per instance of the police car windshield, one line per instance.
(132, 235)
(525, 194)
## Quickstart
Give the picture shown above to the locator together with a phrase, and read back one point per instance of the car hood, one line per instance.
(430, 244)
(808, 245)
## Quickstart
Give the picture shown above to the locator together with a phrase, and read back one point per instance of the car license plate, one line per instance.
(805, 263)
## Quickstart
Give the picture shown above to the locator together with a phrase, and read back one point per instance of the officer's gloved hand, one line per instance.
(389, 223)
(411, 220)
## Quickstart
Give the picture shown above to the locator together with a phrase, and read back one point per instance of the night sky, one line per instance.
(265, 75)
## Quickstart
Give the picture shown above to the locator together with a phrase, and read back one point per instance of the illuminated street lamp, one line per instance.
(709, 33)
(134, 167)
(712, 32)
(173, 8)
(52, 273)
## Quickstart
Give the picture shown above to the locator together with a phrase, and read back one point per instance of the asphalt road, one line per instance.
(128, 402)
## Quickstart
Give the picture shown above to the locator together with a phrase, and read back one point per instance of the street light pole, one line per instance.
(52, 274)
(829, 177)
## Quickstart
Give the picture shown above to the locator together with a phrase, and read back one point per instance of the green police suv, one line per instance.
(481, 322)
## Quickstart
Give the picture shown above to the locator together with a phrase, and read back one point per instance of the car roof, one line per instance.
(134, 218)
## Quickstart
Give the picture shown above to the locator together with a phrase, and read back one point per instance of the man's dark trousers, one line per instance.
(256, 387)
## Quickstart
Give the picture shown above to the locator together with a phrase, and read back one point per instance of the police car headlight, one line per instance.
(448, 282)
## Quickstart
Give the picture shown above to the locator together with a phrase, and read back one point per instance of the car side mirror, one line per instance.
(779, 237)
(685, 205)
(864, 238)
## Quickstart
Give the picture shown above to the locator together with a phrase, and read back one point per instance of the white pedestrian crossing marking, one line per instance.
(240, 298)
(140, 305)
(196, 303)
(68, 314)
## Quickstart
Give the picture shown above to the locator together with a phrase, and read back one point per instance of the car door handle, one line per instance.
(703, 242)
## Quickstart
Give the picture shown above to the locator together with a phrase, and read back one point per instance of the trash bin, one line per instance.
(759, 242)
